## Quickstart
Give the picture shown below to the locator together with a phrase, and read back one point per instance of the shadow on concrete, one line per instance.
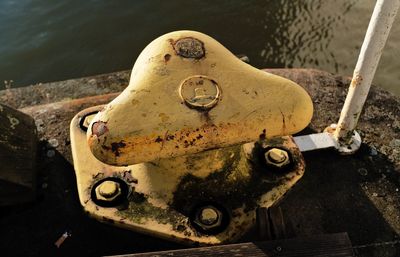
(335, 195)
(32, 230)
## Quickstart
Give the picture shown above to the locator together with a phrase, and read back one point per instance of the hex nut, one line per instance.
(86, 119)
(108, 191)
(276, 157)
(208, 218)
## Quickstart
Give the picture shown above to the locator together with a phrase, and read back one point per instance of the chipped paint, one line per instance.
(99, 128)
(167, 57)
(116, 147)
(200, 107)
(230, 103)
(356, 81)
(189, 47)
(166, 191)
(375, 38)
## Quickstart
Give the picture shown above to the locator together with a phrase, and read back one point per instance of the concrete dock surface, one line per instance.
(358, 194)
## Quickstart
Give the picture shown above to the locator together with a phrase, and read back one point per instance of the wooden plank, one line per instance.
(328, 245)
(18, 153)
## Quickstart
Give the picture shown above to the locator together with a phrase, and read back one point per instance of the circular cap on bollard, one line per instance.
(200, 92)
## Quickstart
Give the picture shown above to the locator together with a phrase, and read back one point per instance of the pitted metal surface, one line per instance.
(190, 47)
(166, 196)
(230, 102)
(193, 133)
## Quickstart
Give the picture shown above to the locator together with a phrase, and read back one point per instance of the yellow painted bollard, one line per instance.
(188, 94)
(145, 166)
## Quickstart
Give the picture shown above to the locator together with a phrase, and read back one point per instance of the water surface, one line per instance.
(44, 40)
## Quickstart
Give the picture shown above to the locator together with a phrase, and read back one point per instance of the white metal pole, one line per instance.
(378, 30)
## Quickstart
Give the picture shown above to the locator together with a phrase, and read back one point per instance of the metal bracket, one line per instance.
(383, 16)
(313, 142)
(204, 198)
(327, 139)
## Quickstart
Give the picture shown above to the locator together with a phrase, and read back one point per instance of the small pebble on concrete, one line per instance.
(53, 142)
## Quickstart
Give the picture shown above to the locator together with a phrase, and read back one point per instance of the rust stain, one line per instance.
(263, 135)
(115, 147)
(105, 147)
(205, 116)
(330, 130)
(108, 220)
(203, 137)
(167, 57)
(165, 139)
(283, 122)
(99, 128)
(128, 177)
(158, 140)
(356, 80)
(189, 47)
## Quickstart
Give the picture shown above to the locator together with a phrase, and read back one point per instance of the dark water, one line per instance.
(47, 40)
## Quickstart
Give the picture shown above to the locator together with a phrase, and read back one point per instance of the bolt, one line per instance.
(277, 157)
(208, 216)
(108, 190)
(189, 47)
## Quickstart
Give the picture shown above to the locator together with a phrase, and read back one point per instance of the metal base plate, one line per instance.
(161, 197)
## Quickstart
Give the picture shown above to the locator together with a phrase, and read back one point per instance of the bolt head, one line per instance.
(108, 190)
(277, 157)
(208, 217)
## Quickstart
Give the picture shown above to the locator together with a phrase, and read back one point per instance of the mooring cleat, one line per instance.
(188, 93)
(194, 145)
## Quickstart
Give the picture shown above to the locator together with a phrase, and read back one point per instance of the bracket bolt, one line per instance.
(277, 157)
(208, 216)
(108, 190)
